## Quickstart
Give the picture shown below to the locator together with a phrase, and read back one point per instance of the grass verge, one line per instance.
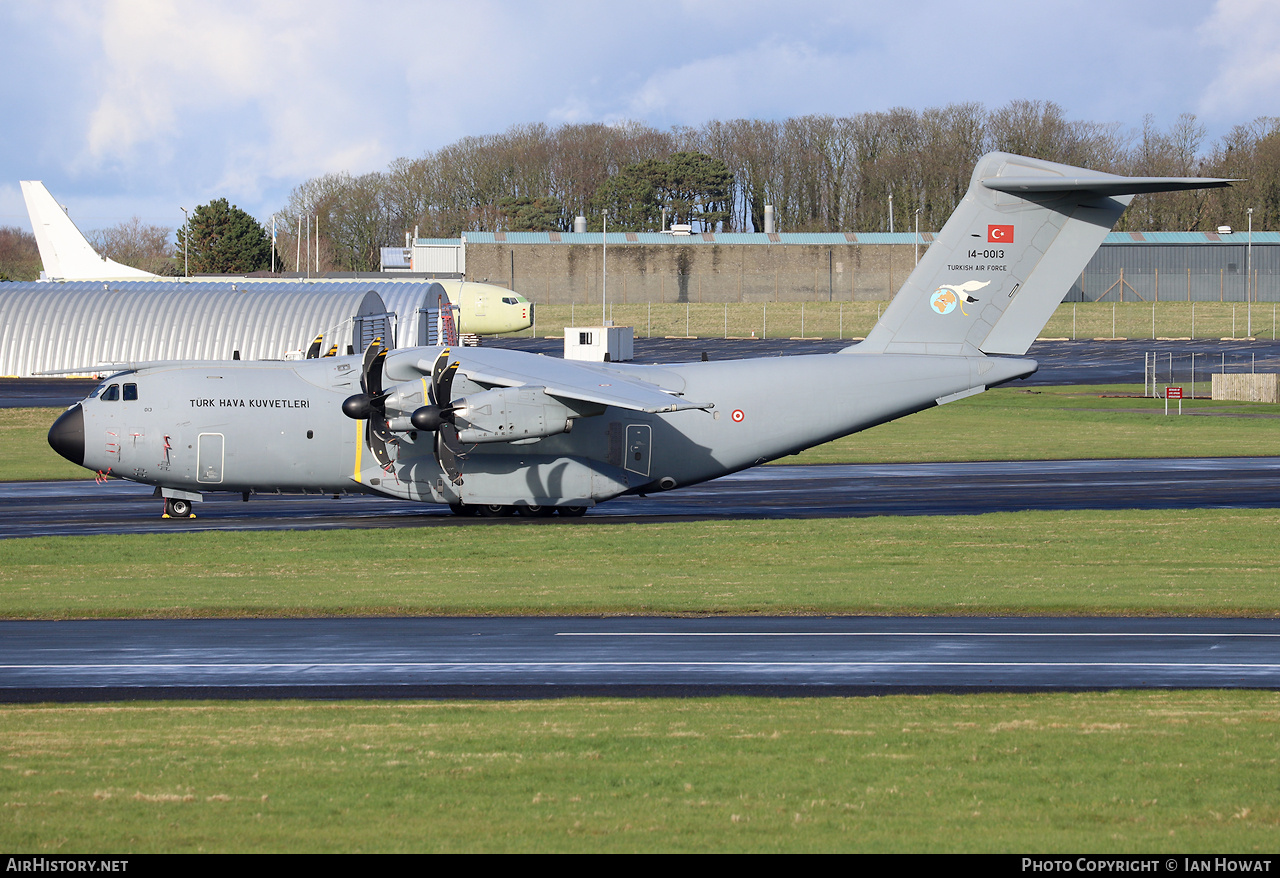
(1060, 423)
(1099, 772)
(1167, 562)
(1078, 320)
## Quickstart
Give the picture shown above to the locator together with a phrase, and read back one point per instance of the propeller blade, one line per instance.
(449, 452)
(438, 416)
(444, 389)
(371, 368)
(377, 437)
(369, 404)
(437, 370)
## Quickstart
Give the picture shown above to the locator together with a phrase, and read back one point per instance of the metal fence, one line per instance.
(1194, 371)
(1136, 285)
(727, 287)
(1123, 285)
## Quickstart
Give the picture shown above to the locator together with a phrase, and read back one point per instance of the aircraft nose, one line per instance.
(66, 436)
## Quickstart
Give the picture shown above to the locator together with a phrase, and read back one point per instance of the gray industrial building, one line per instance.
(566, 267)
(81, 325)
(63, 325)
(1181, 267)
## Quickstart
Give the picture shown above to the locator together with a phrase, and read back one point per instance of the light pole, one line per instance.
(604, 266)
(891, 212)
(1248, 275)
(918, 209)
(186, 242)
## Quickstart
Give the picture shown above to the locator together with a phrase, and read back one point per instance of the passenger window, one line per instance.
(112, 394)
(130, 392)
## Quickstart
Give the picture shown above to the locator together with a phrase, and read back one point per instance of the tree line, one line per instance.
(820, 173)
(866, 173)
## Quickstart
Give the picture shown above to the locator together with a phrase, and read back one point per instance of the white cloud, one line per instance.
(1247, 33)
(726, 86)
(177, 101)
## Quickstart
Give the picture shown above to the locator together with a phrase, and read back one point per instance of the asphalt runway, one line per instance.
(555, 657)
(768, 492)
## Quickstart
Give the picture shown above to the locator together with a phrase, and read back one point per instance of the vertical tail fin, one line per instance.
(1004, 260)
(64, 250)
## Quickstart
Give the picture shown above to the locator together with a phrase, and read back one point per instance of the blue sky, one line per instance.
(137, 107)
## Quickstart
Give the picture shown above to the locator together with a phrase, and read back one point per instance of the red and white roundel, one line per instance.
(737, 416)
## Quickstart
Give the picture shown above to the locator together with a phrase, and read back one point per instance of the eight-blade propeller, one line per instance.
(436, 417)
(370, 404)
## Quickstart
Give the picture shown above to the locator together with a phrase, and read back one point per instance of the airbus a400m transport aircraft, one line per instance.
(495, 431)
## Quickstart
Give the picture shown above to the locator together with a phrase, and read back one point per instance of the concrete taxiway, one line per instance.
(546, 657)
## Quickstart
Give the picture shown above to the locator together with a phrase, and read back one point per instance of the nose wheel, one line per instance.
(176, 507)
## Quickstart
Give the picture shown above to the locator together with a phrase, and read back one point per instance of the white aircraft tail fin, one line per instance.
(1008, 255)
(64, 250)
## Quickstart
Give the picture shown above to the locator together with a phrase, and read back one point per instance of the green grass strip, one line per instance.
(1118, 772)
(849, 320)
(25, 454)
(1164, 562)
(1061, 423)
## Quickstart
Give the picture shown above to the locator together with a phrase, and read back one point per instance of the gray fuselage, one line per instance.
(270, 427)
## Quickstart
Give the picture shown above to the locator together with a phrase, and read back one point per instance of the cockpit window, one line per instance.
(97, 390)
(112, 393)
(130, 392)
(507, 300)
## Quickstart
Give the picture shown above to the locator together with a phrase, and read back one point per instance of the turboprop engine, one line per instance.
(511, 414)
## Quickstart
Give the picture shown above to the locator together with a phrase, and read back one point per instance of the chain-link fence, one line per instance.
(1224, 283)
(1194, 371)
(1072, 320)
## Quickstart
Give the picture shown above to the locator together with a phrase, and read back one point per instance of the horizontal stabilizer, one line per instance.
(1105, 184)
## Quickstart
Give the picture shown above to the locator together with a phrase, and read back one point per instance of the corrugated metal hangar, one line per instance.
(83, 325)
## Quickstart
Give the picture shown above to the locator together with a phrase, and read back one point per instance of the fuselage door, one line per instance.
(209, 458)
(637, 456)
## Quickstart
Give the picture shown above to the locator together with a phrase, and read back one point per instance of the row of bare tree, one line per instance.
(870, 172)
(821, 173)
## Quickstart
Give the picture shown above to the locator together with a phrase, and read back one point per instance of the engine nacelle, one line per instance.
(511, 414)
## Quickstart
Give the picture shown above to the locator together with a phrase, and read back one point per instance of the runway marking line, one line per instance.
(574, 664)
(899, 634)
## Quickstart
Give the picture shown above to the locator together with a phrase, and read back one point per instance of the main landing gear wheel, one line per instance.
(494, 510)
(572, 511)
(176, 507)
(533, 511)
